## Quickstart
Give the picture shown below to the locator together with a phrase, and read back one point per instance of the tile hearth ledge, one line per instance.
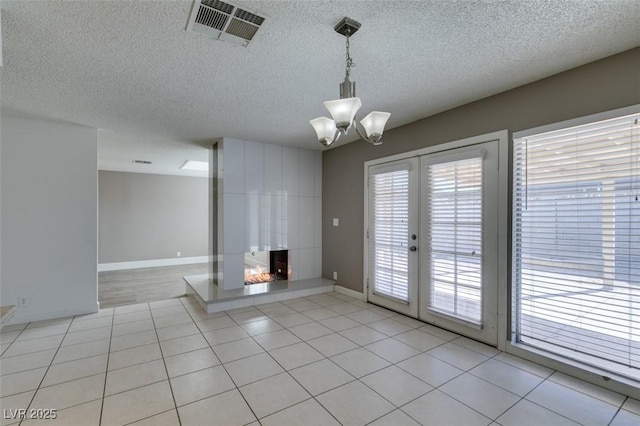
(214, 299)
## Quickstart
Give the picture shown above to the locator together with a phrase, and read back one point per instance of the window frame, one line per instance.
(599, 376)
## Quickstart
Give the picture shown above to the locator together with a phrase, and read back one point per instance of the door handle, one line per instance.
(413, 248)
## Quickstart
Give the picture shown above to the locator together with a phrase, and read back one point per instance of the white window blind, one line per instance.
(454, 194)
(576, 242)
(389, 230)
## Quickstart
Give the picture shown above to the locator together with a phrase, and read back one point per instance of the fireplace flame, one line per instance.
(258, 278)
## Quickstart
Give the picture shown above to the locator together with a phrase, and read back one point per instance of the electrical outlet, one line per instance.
(178, 254)
(335, 275)
(22, 301)
(336, 221)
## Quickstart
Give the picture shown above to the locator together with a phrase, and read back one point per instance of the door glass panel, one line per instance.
(454, 194)
(389, 229)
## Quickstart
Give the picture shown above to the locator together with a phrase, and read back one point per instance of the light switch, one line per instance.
(336, 221)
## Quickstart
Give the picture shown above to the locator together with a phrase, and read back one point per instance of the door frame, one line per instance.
(504, 213)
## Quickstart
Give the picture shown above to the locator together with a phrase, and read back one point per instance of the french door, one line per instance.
(393, 221)
(432, 238)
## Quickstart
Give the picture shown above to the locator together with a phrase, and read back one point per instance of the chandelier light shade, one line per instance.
(344, 110)
(325, 129)
(374, 124)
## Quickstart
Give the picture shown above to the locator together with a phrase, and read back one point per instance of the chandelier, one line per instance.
(343, 110)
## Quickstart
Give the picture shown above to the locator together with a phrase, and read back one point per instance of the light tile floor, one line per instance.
(326, 359)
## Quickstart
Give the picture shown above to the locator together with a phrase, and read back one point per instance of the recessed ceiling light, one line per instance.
(201, 166)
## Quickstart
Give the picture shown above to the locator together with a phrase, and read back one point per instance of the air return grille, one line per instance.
(212, 18)
(223, 21)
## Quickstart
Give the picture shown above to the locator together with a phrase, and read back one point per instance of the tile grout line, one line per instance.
(468, 371)
(431, 390)
(394, 364)
(106, 373)
(48, 367)
(524, 397)
(153, 415)
(173, 396)
(73, 319)
(359, 379)
(355, 379)
(58, 363)
(288, 372)
(169, 378)
(498, 386)
(617, 411)
(580, 391)
(253, 337)
(237, 388)
(138, 387)
(421, 352)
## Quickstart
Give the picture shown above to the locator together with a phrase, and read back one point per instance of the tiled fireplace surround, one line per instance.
(264, 197)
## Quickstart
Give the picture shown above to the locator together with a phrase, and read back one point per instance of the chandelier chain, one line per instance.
(350, 62)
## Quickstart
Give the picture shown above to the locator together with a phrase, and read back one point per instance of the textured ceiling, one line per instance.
(129, 67)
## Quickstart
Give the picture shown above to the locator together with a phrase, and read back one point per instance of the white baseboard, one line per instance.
(21, 318)
(348, 292)
(119, 266)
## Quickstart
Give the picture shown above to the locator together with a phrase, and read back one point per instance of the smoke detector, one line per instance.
(223, 21)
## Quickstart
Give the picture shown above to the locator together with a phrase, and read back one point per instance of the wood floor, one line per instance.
(117, 288)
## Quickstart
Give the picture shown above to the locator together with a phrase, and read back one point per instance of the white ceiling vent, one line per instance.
(223, 21)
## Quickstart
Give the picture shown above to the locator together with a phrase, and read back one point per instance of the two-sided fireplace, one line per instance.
(261, 267)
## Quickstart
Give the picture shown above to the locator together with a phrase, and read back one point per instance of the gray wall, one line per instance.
(49, 209)
(604, 85)
(147, 216)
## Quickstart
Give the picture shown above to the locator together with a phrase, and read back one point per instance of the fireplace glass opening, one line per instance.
(266, 266)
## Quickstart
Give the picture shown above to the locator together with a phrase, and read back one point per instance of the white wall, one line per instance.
(270, 199)
(0, 192)
(49, 218)
(145, 217)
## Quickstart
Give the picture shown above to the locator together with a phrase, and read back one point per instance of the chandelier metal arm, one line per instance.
(339, 132)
